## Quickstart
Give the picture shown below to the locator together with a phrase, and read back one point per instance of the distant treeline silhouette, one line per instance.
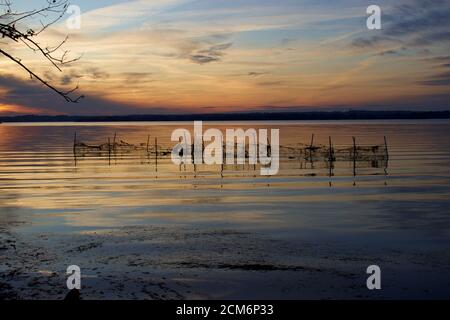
(246, 116)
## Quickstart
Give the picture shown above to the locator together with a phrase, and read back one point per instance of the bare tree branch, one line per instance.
(18, 27)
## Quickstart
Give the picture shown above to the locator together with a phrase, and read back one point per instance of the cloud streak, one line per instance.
(211, 54)
(413, 23)
(33, 96)
(440, 79)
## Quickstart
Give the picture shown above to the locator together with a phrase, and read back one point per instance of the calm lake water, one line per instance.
(397, 209)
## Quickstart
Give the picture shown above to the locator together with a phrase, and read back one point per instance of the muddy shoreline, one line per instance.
(173, 262)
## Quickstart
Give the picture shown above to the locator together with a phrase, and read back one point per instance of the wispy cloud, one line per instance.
(33, 96)
(413, 23)
(257, 74)
(439, 59)
(440, 79)
(211, 54)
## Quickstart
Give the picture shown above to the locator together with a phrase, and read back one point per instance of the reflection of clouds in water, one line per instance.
(29, 137)
(172, 214)
(11, 217)
(430, 217)
(9, 214)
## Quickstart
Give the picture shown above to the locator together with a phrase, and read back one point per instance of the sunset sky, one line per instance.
(182, 56)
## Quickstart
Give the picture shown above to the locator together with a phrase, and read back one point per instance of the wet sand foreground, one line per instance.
(172, 262)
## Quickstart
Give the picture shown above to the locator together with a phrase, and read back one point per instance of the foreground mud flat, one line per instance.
(173, 262)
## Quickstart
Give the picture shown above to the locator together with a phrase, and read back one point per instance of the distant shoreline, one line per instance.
(247, 116)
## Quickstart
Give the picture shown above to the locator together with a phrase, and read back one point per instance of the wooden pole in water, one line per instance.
(354, 159)
(387, 160)
(193, 157)
(109, 151)
(74, 142)
(148, 142)
(331, 156)
(269, 147)
(300, 156)
(331, 149)
(74, 148)
(224, 150)
(114, 141)
(386, 148)
(203, 150)
(156, 153)
(310, 151)
(187, 153)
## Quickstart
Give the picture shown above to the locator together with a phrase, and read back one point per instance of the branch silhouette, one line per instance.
(15, 26)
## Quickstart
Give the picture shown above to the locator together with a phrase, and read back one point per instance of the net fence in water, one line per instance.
(371, 154)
